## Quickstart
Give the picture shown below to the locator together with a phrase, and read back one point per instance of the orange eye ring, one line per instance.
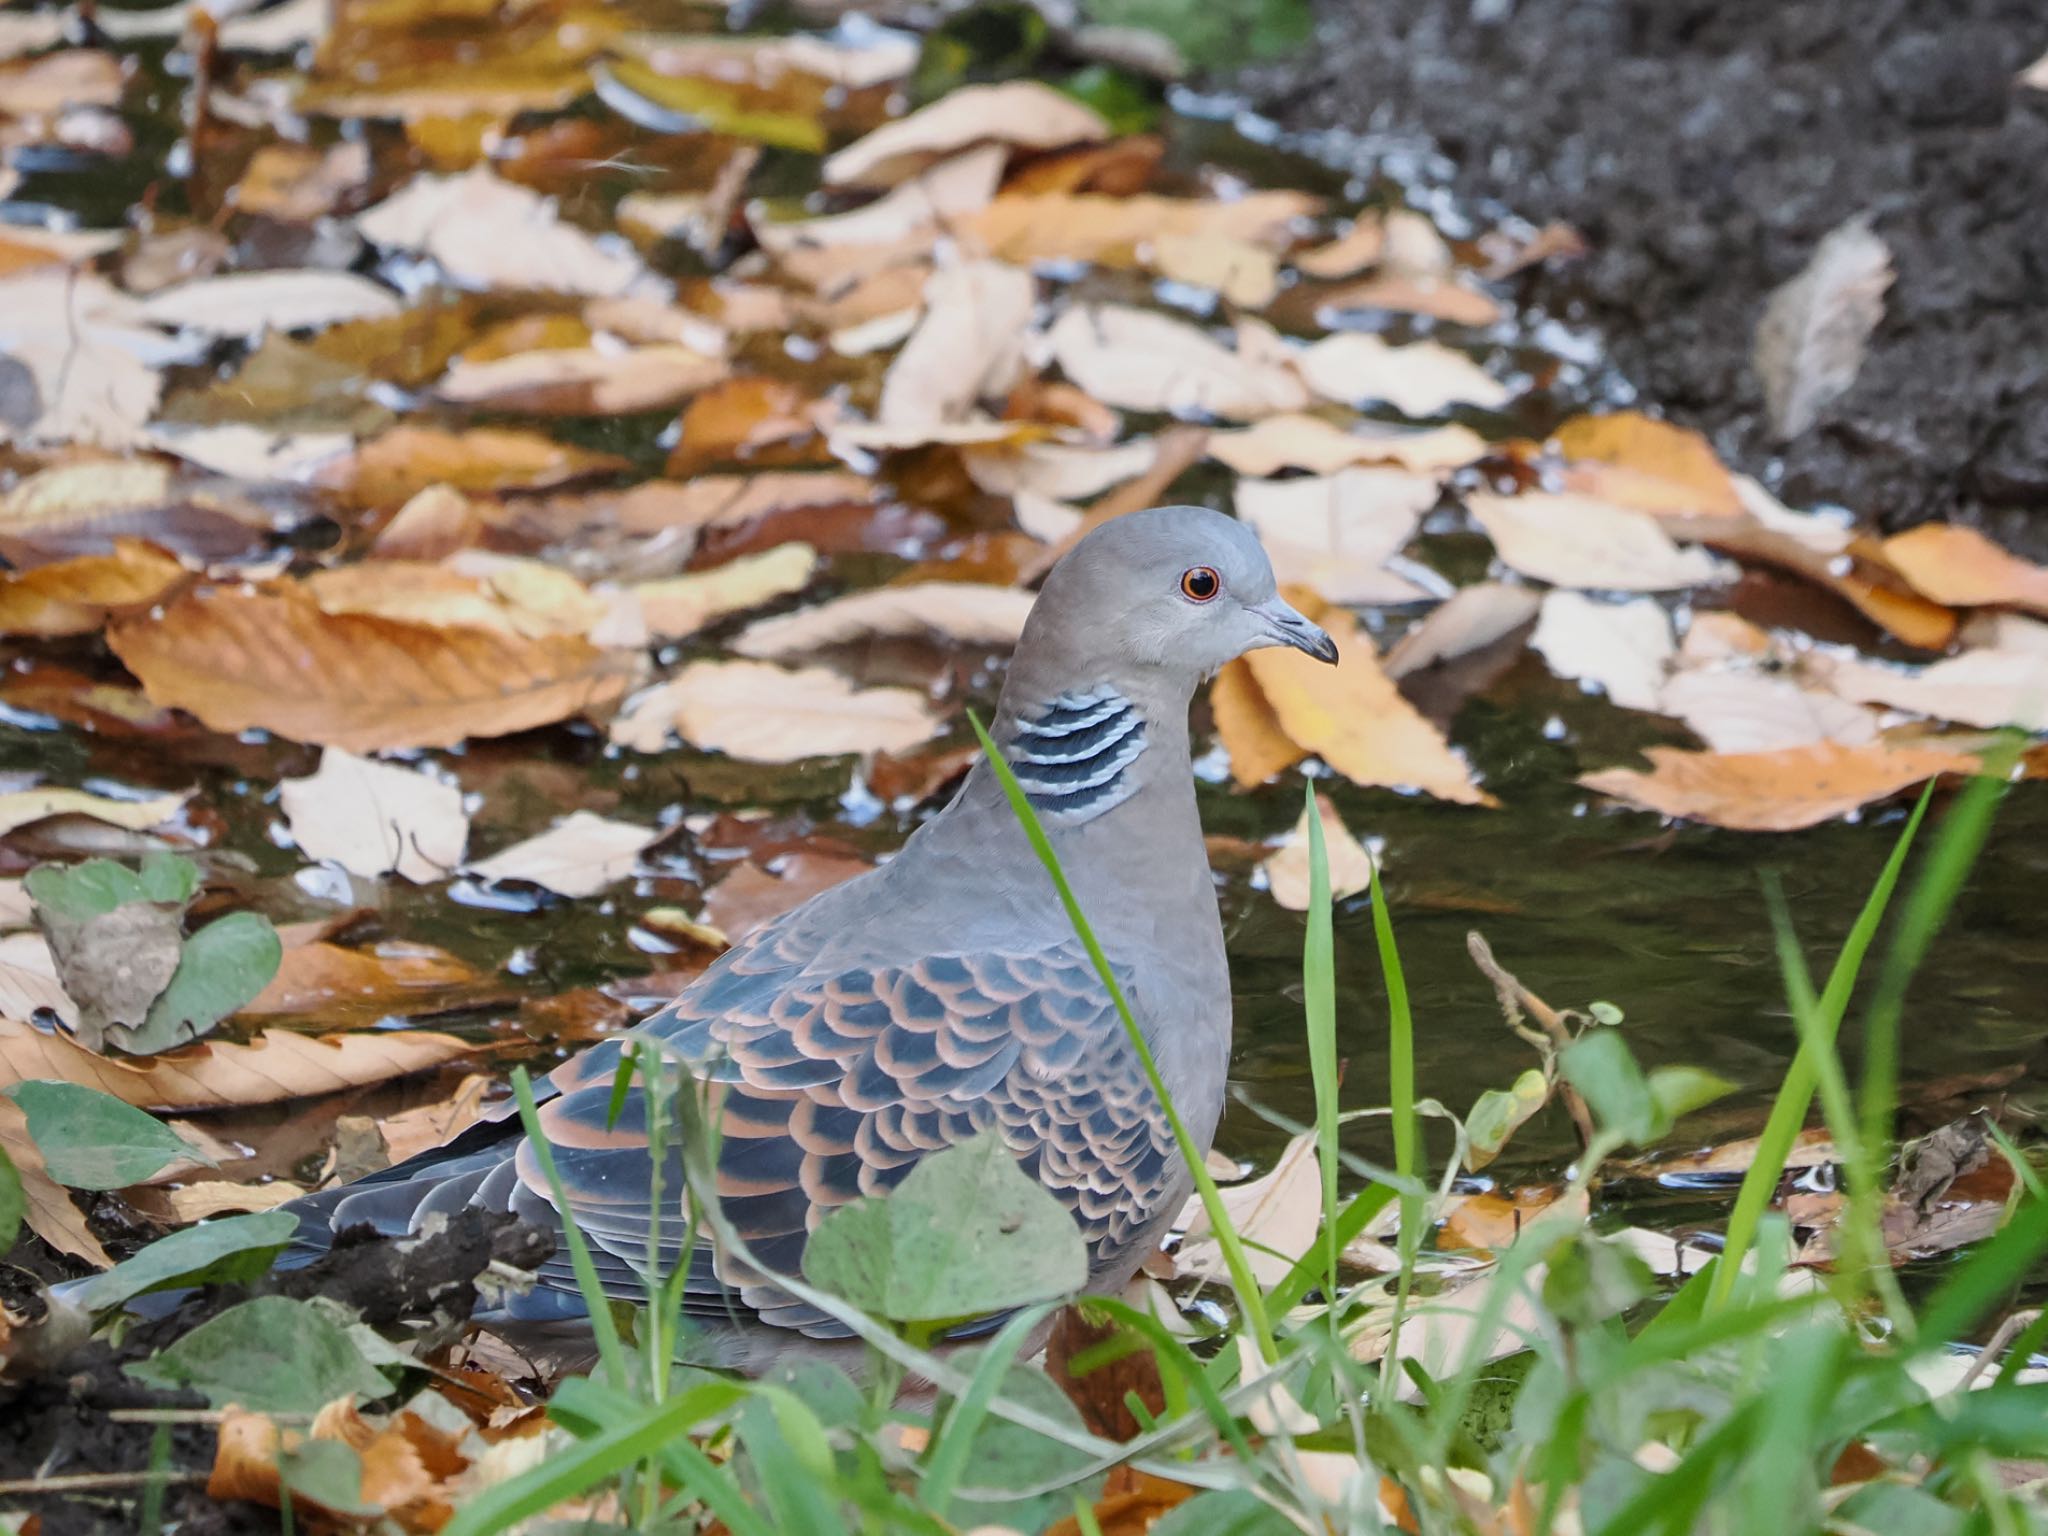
(1200, 584)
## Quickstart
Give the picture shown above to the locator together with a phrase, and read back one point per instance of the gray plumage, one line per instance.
(945, 993)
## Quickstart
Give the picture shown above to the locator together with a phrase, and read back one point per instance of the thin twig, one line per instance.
(1515, 1000)
(2008, 1330)
(193, 1416)
(91, 1482)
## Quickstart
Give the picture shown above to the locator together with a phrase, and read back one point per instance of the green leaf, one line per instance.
(719, 107)
(1498, 1113)
(1604, 1071)
(13, 1201)
(1223, 1512)
(966, 1234)
(1589, 1279)
(1213, 34)
(1127, 103)
(1678, 1091)
(328, 1473)
(1604, 1013)
(231, 1250)
(91, 1140)
(1008, 1456)
(224, 966)
(80, 892)
(272, 1355)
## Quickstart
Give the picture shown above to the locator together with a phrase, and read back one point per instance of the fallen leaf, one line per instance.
(391, 469)
(1020, 113)
(897, 228)
(763, 713)
(1337, 533)
(1773, 791)
(967, 348)
(273, 659)
(1981, 688)
(961, 612)
(486, 232)
(75, 77)
(276, 1066)
(76, 596)
(1276, 1216)
(241, 304)
(1651, 465)
(1872, 588)
(1449, 299)
(472, 589)
(1811, 339)
(412, 1131)
(1360, 246)
(744, 418)
(1242, 273)
(1058, 471)
(751, 895)
(1424, 378)
(21, 807)
(296, 183)
(95, 360)
(376, 818)
(337, 987)
(1131, 232)
(578, 856)
(1354, 718)
(1812, 1148)
(1140, 360)
(582, 381)
(682, 605)
(1741, 709)
(1962, 568)
(1623, 648)
(1491, 1221)
(430, 526)
(1575, 541)
(244, 452)
(1287, 869)
(47, 1208)
(1249, 729)
(1474, 618)
(1311, 443)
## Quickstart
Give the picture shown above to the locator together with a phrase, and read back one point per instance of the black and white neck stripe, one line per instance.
(1072, 755)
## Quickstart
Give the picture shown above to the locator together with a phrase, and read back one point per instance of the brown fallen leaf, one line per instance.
(412, 1131)
(1444, 298)
(1493, 1221)
(1249, 729)
(961, 612)
(1322, 448)
(1962, 568)
(276, 1066)
(24, 807)
(1354, 718)
(393, 1479)
(1178, 449)
(434, 524)
(743, 418)
(337, 988)
(762, 713)
(297, 183)
(474, 589)
(272, 659)
(1773, 791)
(1651, 465)
(390, 470)
(1020, 113)
(1577, 541)
(1360, 246)
(1101, 1393)
(76, 596)
(583, 381)
(1129, 231)
(751, 895)
(1287, 869)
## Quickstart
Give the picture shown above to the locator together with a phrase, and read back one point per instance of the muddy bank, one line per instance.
(1705, 147)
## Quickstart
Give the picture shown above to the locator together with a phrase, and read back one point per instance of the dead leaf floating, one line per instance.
(1021, 113)
(579, 856)
(763, 713)
(1576, 541)
(1773, 791)
(1811, 339)
(376, 818)
(1287, 870)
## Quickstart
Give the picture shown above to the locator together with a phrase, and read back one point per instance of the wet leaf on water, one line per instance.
(1979, 687)
(744, 418)
(1811, 339)
(1287, 869)
(1451, 300)
(94, 357)
(967, 1234)
(1473, 618)
(1336, 533)
(898, 227)
(1773, 791)
(298, 183)
(785, 119)
(1246, 275)
(1651, 465)
(1747, 709)
(1497, 1114)
(1061, 471)
(582, 382)
(1021, 114)
(242, 304)
(273, 659)
(276, 1066)
(1360, 245)
(959, 612)
(221, 1252)
(1139, 360)
(1623, 649)
(90, 1140)
(335, 986)
(75, 596)
(762, 713)
(579, 856)
(751, 895)
(1135, 232)
(1322, 448)
(682, 605)
(967, 348)
(1576, 541)
(376, 818)
(391, 469)
(270, 1355)
(1423, 378)
(1961, 567)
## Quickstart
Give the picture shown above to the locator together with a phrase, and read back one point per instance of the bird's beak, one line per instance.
(1289, 627)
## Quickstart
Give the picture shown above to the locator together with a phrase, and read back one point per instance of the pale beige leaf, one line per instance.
(412, 1131)
(276, 1066)
(1141, 360)
(578, 856)
(1245, 274)
(963, 612)
(490, 233)
(1059, 471)
(1019, 113)
(1981, 688)
(20, 807)
(241, 304)
(763, 713)
(16, 910)
(28, 978)
(1276, 1215)
(1424, 378)
(1773, 791)
(376, 818)
(1287, 868)
(1358, 247)
(1739, 709)
(1311, 443)
(968, 347)
(218, 1197)
(583, 381)
(898, 227)
(1576, 541)
(1129, 231)
(682, 605)
(1622, 648)
(1473, 619)
(1811, 339)
(97, 363)
(1336, 533)
(2035, 75)
(244, 452)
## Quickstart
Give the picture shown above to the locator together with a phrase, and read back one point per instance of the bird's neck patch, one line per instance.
(1073, 755)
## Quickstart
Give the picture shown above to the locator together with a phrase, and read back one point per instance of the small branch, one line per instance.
(1552, 1034)
(93, 1482)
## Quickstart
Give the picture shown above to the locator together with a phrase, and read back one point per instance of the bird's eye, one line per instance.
(1200, 584)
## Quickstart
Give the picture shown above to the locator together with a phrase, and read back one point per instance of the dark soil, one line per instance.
(1704, 147)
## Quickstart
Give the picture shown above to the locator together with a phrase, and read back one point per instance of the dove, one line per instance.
(942, 994)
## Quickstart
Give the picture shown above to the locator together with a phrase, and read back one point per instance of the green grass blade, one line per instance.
(1308, 1269)
(1250, 1297)
(948, 1457)
(1319, 1009)
(1401, 1099)
(609, 1349)
(1795, 1095)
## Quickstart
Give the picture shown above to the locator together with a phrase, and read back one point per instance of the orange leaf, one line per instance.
(1131, 1502)
(221, 1074)
(1773, 791)
(272, 659)
(397, 466)
(1962, 567)
(341, 986)
(1650, 465)
(1250, 730)
(74, 597)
